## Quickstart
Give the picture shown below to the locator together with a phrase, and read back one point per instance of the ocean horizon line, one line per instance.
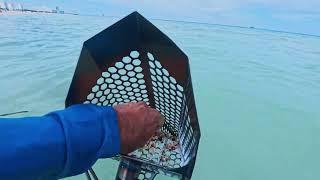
(180, 21)
(215, 24)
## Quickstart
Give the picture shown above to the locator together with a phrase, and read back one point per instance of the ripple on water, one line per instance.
(257, 91)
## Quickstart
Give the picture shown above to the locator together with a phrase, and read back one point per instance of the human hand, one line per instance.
(137, 123)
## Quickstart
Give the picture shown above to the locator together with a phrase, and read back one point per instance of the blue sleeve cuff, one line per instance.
(111, 143)
(91, 132)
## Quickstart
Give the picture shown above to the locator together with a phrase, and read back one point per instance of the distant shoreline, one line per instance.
(14, 12)
(27, 11)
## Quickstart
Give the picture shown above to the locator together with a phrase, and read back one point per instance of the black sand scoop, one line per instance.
(133, 61)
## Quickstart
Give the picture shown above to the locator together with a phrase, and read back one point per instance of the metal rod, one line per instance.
(88, 175)
(128, 170)
(8, 114)
(95, 177)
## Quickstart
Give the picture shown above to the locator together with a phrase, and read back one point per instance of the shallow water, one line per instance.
(257, 92)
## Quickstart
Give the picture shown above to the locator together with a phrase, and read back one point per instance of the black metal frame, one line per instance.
(136, 34)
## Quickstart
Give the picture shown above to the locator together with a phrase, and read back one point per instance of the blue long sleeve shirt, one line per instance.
(60, 144)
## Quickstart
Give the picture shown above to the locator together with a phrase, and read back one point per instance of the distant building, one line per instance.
(8, 6)
(57, 10)
(19, 7)
(5, 5)
(13, 6)
(2, 5)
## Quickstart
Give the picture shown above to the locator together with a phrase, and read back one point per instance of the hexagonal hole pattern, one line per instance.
(115, 86)
(170, 100)
(166, 89)
(145, 175)
(165, 149)
(125, 82)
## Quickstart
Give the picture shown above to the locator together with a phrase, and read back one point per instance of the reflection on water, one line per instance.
(257, 92)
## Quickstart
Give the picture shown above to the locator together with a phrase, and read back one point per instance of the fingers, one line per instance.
(162, 120)
(142, 106)
(142, 103)
(138, 122)
(156, 118)
(131, 105)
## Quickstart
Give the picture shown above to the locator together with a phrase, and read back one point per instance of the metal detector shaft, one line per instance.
(128, 170)
(8, 114)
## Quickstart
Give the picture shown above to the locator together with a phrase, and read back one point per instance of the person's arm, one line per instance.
(59, 144)
(68, 142)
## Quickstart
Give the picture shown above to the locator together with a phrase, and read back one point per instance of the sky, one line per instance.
(300, 16)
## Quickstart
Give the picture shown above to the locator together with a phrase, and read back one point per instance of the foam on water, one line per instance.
(257, 92)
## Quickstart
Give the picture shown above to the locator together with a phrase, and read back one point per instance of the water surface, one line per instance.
(257, 92)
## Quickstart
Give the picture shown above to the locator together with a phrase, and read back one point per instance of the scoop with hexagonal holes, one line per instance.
(134, 61)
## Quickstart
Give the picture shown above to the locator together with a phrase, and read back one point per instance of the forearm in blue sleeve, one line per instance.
(60, 144)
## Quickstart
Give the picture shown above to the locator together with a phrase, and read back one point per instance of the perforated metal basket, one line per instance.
(134, 61)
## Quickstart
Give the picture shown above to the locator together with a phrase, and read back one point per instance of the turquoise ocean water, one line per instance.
(257, 92)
